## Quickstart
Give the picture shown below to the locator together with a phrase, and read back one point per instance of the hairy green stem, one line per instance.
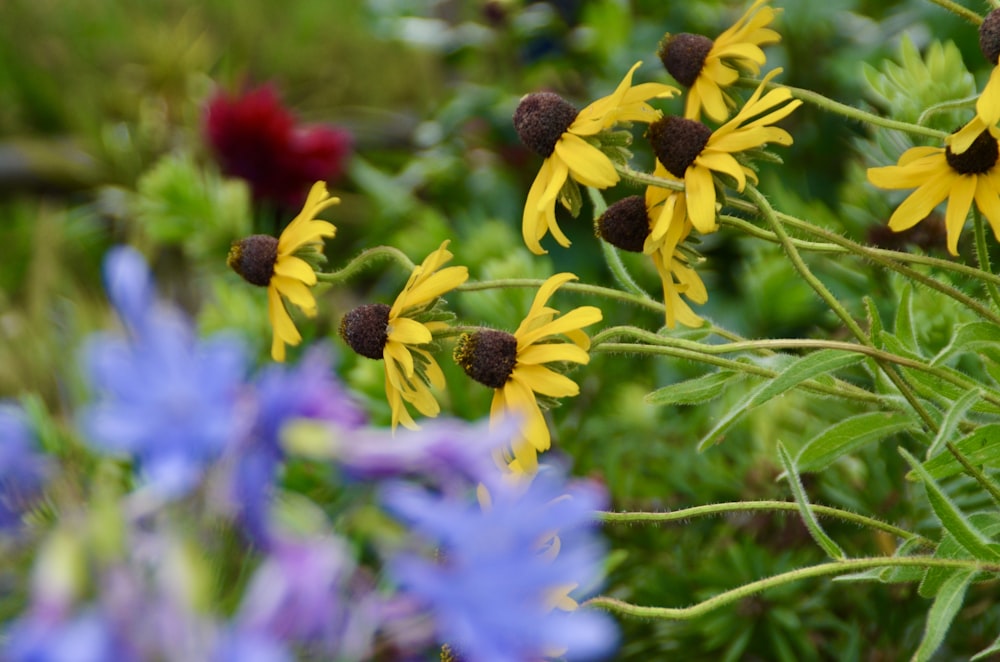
(835, 305)
(960, 11)
(971, 469)
(945, 106)
(822, 570)
(364, 260)
(580, 288)
(755, 506)
(983, 255)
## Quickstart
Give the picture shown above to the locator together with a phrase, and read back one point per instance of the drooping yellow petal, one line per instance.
(547, 382)
(296, 292)
(988, 199)
(700, 193)
(959, 201)
(281, 324)
(521, 401)
(394, 351)
(295, 268)
(550, 352)
(988, 105)
(587, 164)
(921, 202)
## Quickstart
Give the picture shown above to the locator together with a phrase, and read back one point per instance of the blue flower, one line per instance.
(86, 637)
(164, 397)
(240, 646)
(22, 468)
(309, 390)
(495, 572)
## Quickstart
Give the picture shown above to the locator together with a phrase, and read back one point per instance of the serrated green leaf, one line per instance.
(692, 391)
(832, 549)
(849, 435)
(951, 420)
(969, 337)
(947, 603)
(981, 448)
(903, 329)
(807, 367)
(952, 519)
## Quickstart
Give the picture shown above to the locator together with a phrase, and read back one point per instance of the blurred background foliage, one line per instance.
(101, 141)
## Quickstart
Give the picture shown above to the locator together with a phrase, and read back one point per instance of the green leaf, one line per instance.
(807, 367)
(849, 435)
(904, 319)
(951, 517)
(947, 603)
(969, 337)
(875, 326)
(934, 579)
(992, 648)
(951, 420)
(981, 448)
(693, 391)
(832, 549)
(714, 435)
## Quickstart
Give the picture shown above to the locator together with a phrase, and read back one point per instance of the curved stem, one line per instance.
(945, 106)
(583, 288)
(365, 259)
(822, 570)
(835, 305)
(960, 11)
(767, 506)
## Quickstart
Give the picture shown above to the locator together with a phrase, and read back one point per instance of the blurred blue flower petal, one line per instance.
(22, 467)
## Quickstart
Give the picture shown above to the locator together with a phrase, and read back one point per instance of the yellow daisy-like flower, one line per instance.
(691, 151)
(706, 66)
(657, 226)
(938, 174)
(278, 265)
(514, 366)
(399, 334)
(988, 104)
(568, 140)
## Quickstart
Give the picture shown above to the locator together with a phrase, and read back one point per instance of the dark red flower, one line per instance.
(254, 137)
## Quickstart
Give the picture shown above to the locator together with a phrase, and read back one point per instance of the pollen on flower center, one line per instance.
(254, 258)
(989, 36)
(541, 118)
(625, 224)
(677, 142)
(365, 329)
(979, 158)
(488, 356)
(684, 55)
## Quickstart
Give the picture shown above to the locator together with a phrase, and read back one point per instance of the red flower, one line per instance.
(254, 137)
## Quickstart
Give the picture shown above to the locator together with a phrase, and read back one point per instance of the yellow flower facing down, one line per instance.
(988, 103)
(514, 365)
(938, 174)
(706, 67)
(691, 151)
(657, 225)
(399, 336)
(278, 265)
(566, 139)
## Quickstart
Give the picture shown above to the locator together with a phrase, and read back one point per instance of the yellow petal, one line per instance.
(600, 114)
(959, 201)
(988, 105)
(574, 319)
(588, 165)
(921, 202)
(545, 381)
(724, 163)
(700, 193)
(533, 222)
(521, 401)
(297, 292)
(549, 352)
(398, 353)
(296, 269)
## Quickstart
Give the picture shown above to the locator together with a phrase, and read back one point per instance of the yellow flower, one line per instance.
(566, 139)
(988, 104)
(657, 226)
(514, 366)
(938, 174)
(278, 264)
(706, 66)
(691, 151)
(399, 335)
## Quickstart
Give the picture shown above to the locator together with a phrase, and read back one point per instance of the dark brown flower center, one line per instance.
(979, 158)
(677, 142)
(365, 329)
(487, 356)
(989, 37)
(541, 118)
(684, 55)
(254, 258)
(625, 224)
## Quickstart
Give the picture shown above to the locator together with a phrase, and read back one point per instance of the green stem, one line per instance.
(960, 11)
(611, 255)
(853, 392)
(849, 112)
(983, 255)
(365, 259)
(981, 478)
(946, 106)
(822, 570)
(760, 233)
(581, 288)
(744, 506)
(835, 305)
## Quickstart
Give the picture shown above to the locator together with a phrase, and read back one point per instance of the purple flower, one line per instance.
(305, 593)
(22, 468)
(496, 571)
(164, 397)
(240, 646)
(309, 390)
(130, 287)
(87, 637)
